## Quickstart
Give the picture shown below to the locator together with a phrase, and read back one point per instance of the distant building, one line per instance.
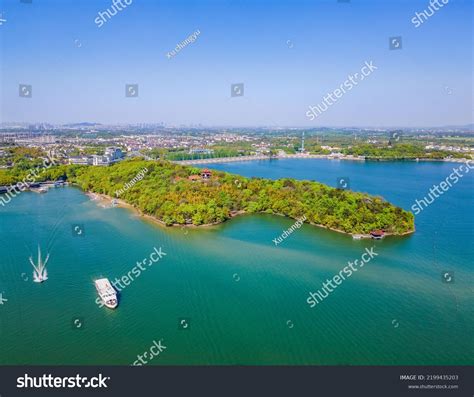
(377, 234)
(84, 160)
(114, 153)
(201, 151)
(111, 155)
(100, 160)
(205, 174)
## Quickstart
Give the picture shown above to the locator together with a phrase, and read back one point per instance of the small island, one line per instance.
(181, 195)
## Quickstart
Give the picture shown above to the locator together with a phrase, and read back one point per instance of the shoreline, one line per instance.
(312, 156)
(103, 198)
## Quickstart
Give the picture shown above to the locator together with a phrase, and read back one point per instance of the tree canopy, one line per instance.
(166, 193)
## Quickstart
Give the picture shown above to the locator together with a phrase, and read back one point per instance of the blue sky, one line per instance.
(288, 54)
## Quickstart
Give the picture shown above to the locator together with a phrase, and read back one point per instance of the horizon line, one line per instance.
(199, 125)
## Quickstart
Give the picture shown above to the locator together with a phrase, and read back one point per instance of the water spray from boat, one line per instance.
(40, 273)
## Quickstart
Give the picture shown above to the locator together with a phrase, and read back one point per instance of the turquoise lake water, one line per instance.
(243, 298)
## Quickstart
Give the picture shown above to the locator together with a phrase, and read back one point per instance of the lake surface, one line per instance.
(242, 297)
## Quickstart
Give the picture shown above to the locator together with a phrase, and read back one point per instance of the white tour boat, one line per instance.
(107, 293)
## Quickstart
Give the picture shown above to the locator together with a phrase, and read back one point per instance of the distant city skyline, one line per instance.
(90, 124)
(249, 66)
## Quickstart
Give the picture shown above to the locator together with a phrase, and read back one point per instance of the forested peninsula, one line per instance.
(183, 195)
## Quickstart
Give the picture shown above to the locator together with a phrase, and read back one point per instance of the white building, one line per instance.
(111, 155)
(84, 160)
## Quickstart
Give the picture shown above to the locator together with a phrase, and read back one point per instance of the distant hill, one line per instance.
(467, 127)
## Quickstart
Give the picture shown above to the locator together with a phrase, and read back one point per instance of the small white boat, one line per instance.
(40, 273)
(106, 292)
(39, 278)
(41, 189)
